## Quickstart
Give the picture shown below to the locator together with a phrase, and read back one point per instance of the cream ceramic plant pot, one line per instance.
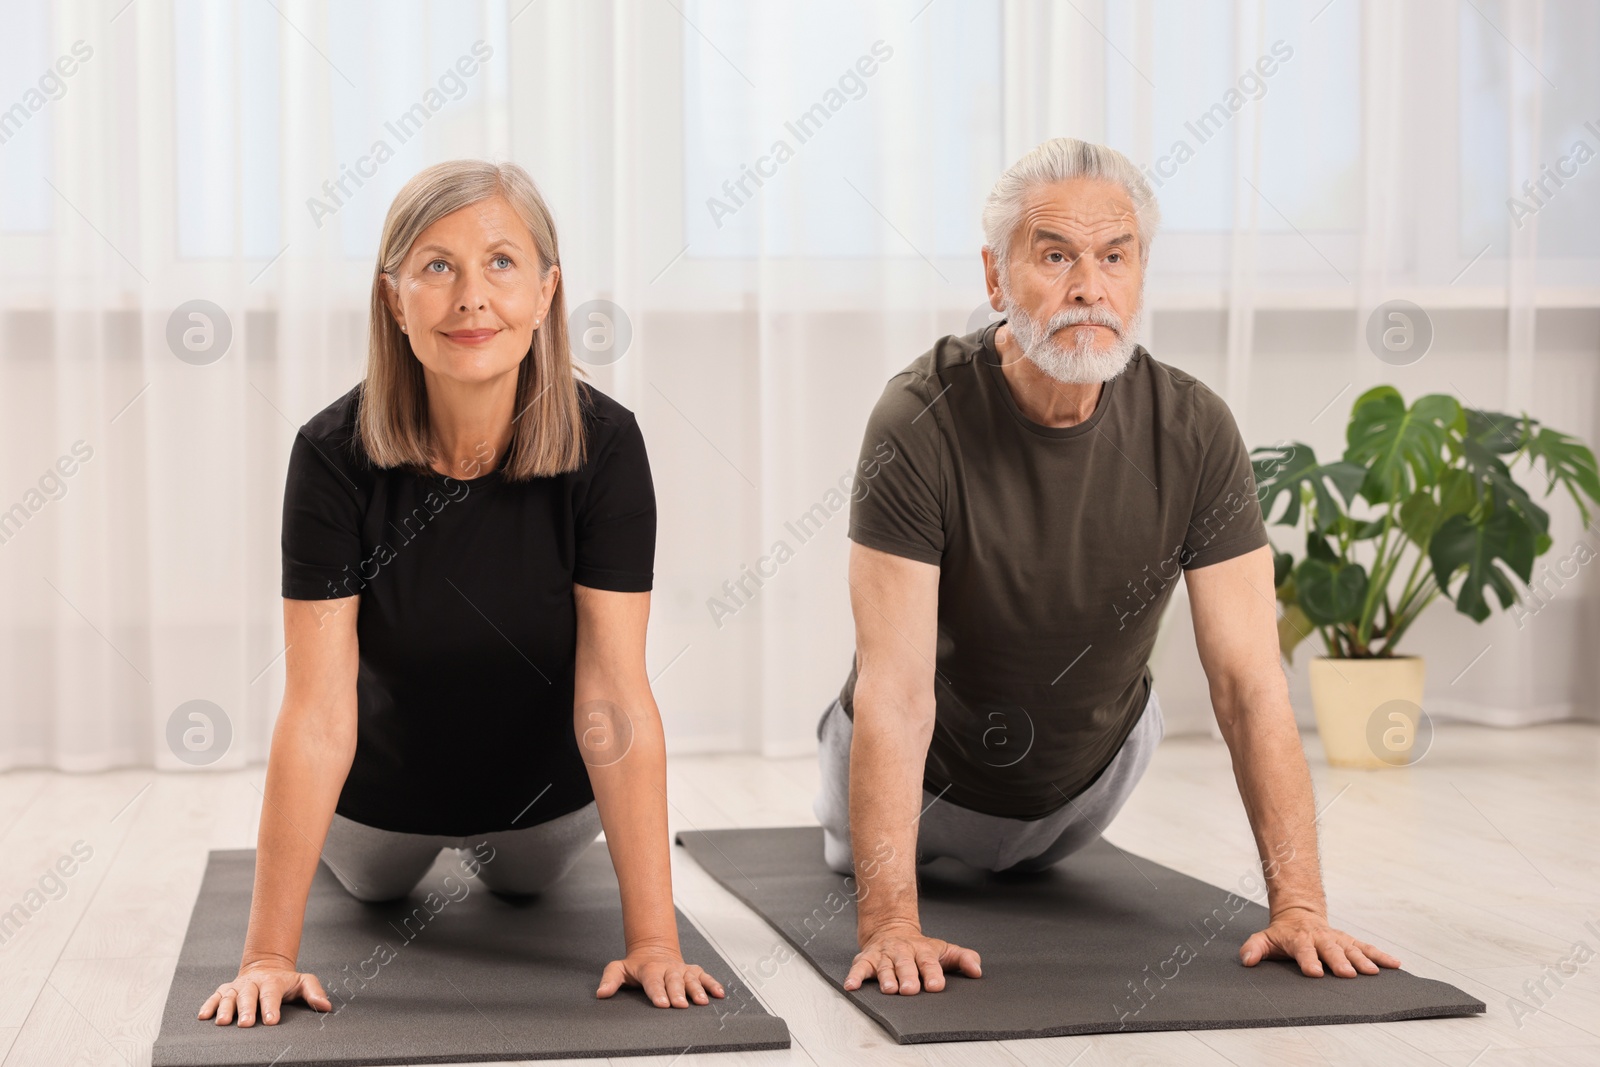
(1368, 710)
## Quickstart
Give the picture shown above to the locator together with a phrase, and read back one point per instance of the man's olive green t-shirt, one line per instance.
(1057, 550)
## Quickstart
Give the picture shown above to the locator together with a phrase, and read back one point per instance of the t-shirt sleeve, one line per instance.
(1226, 520)
(616, 523)
(322, 513)
(896, 505)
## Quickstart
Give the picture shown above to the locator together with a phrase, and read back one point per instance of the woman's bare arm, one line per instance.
(619, 733)
(313, 745)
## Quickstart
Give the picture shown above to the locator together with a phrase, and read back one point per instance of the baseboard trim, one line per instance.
(1489, 715)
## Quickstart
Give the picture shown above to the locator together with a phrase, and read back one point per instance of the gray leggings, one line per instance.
(374, 864)
(988, 842)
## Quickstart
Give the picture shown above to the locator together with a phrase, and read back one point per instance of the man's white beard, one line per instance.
(1084, 363)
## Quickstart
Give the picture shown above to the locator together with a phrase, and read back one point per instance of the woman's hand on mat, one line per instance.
(267, 983)
(666, 979)
(905, 962)
(1304, 936)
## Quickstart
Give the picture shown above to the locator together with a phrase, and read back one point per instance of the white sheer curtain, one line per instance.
(244, 155)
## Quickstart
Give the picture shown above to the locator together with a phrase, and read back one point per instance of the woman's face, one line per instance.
(469, 292)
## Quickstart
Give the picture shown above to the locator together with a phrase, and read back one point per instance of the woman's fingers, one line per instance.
(611, 979)
(247, 1003)
(711, 984)
(655, 986)
(261, 993)
(668, 983)
(271, 1002)
(673, 979)
(312, 993)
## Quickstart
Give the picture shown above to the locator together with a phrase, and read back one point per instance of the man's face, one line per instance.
(1073, 282)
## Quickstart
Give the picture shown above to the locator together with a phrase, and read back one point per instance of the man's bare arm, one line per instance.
(1235, 626)
(896, 604)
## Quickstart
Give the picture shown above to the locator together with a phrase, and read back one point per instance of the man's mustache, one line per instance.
(1063, 319)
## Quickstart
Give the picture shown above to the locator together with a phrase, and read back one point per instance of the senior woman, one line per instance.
(468, 543)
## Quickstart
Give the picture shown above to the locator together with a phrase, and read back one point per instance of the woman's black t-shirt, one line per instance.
(466, 621)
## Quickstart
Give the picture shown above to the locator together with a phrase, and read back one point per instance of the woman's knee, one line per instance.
(376, 865)
(529, 861)
(377, 886)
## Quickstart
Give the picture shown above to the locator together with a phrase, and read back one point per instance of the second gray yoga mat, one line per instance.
(471, 977)
(1091, 945)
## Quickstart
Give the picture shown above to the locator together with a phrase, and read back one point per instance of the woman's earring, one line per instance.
(402, 327)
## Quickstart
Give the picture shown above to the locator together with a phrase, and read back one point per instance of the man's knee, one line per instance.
(836, 853)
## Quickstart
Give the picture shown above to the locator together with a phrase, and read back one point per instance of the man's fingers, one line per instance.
(1359, 958)
(693, 986)
(860, 971)
(966, 960)
(905, 972)
(1254, 949)
(225, 1006)
(1334, 954)
(1305, 954)
(210, 1005)
(910, 965)
(1377, 955)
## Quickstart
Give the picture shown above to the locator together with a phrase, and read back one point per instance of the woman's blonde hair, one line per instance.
(547, 430)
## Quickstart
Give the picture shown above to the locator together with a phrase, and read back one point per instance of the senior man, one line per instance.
(1008, 572)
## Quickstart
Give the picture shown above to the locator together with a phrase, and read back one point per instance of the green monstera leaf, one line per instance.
(1568, 461)
(1497, 431)
(1330, 593)
(1421, 515)
(1402, 448)
(1287, 470)
(1496, 489)
(1293, 627)
(1504, 536)
(1317, 547)
(1282, 564)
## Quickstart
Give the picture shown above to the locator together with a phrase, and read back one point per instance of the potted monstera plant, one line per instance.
(1425, 503)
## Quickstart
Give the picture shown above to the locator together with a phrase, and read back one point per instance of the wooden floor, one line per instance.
(1478, 867)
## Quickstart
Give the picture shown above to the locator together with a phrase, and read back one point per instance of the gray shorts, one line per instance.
(374, 864)
(988, 842)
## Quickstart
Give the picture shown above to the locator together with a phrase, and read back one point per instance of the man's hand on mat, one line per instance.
(905, 962)
(666, 979)
(269, 983)
(1304, 936)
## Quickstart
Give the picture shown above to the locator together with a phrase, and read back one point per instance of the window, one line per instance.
(821, 129)
(1560, 83)
(1304, 86)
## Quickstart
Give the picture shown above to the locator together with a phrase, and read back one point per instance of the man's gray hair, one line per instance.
(1057, 160)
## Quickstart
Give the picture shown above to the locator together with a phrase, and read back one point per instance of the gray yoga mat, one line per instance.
(1089, 946)
(471, 977)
